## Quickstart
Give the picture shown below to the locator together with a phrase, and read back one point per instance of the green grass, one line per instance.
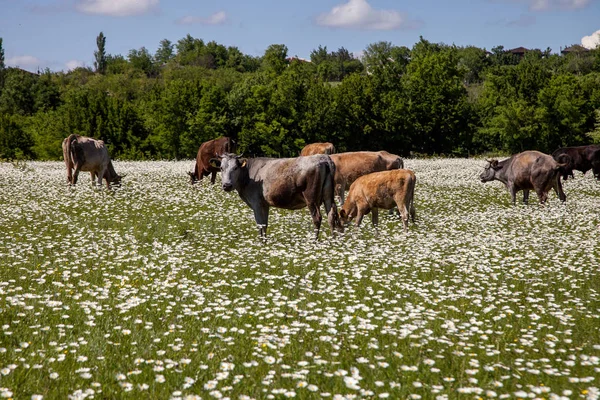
(159, 278)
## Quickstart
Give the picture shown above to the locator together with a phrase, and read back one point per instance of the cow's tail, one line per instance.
(411, 198)
(564, 165)
(328, 196)
(70, 155)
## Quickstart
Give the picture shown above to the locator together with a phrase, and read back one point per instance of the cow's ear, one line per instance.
(215, 163)
(243, 162)
(494, 165)
(343, 213)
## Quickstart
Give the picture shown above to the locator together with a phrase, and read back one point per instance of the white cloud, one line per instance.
(592, 41)
(360, 14)
(116, 8)
(25, 62)
(72, 64)
(217, 18)
(543, 5)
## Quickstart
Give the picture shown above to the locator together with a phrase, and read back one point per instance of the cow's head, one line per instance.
(489, 172)
(347, 213)
(232, 167)
(193, 177)
(116, 179)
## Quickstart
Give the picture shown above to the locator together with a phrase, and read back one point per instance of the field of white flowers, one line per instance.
(163, 290)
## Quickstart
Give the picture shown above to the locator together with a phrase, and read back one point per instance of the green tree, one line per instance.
(189, 50)
(100, 54)
(2, 66)
(117, 64)
(164, 54)
(563, 113)
(142, 60)
(472, 61)
(438, 104)
(18, 93)
(14, 141)
(274, 59)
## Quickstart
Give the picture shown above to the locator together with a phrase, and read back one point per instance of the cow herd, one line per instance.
(375, 180)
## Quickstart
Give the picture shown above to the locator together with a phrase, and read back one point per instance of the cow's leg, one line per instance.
(375, 220)
(542, 195)
(513, 192)
(100, 176)
(213, 177)
(375, 217)
(559, 190)
(525, 196)
(403, 209)
(75, 174)
(412, 210)
(359, 216)
(315, 213)
(331, 211)
(261, 216)
(341, 191)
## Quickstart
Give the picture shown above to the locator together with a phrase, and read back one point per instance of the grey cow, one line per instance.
(525, 171)
(289, 183)
(82, 153)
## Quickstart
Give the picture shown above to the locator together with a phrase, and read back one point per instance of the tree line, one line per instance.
(431, 99)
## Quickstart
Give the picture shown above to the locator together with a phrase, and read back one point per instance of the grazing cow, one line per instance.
(86, 154)
(290, 183)
(350, 166)
(211, 149)
(525, 171)
(386, 189)
(318, 148)
(580, 158)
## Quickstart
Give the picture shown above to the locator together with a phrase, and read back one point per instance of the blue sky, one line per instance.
(61, 34)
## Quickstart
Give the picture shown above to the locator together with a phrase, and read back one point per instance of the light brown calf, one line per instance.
(386, 190)
(349, 166)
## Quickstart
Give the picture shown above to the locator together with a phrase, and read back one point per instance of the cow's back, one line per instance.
(318, 148)
(93, 152)
(281, 181)
(352, 165)
(531, 169)
(379, 189)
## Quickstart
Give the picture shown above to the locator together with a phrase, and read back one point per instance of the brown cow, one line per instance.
(86, 154)
(318, 148)
(525, 171)
(352, 165)
(581, 158)
(386, 189)
(212, 148)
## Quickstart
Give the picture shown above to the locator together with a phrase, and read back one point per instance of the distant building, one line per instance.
(574, 49)
(519, 51)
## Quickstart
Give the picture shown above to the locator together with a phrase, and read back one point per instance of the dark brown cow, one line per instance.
(525, 171)
(86, 154)
(290, 183)
(580, 158)
(352, 165)
(318, 148)
(211, 149)
(386, 190)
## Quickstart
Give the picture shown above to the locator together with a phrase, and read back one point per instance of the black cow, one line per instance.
(581, 158)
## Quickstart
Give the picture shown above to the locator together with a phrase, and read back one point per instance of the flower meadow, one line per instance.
(163, 290)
